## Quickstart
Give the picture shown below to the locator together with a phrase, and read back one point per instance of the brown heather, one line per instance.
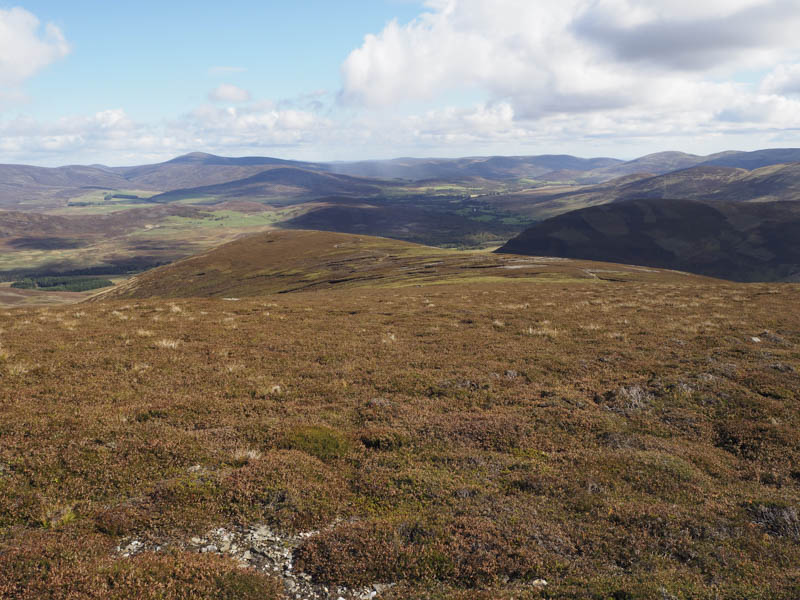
(429, 446)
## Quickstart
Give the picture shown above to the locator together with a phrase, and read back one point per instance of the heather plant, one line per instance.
(462, 460)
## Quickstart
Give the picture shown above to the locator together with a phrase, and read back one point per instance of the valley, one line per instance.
(122, 220)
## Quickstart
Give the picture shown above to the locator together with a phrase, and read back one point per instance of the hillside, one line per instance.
(755, 160)
(744, 242)
(290, 261)
(122, 241)
(666, 162)
(200, 176)
(431, 223)
(199, 169)
(658, 163)
(428, 424)
(724, 184)
(38, 188)
(703, 183)
(277, 184)
(494, 167)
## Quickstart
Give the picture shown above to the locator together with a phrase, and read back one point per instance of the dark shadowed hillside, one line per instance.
(744, 242)
(422, 223)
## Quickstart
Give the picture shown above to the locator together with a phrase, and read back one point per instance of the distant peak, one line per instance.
(193, 157)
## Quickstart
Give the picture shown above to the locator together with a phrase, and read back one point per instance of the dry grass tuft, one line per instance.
(167, 344)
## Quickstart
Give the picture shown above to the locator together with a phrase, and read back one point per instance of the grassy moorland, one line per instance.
(628, 437)
(289, 261)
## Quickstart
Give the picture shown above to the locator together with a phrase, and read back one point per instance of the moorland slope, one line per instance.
(489, 438)
(290, 261)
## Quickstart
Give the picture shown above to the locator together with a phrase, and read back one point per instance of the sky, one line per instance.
(84, 82)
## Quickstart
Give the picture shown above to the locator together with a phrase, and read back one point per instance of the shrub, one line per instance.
(58, 567)
(466, 551)
(287, 489)
(317, 440)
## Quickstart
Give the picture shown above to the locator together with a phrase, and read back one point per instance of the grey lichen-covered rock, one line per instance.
(265, 550)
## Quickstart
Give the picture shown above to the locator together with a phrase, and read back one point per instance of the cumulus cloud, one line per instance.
(570, 56)
(113, 137)
(26, 47)
(469, 77)
(229, 93)
(783, 80)
(684, 38)
(261, 124)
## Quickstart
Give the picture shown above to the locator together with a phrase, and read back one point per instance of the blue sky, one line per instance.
(125, 83)
(155, 57)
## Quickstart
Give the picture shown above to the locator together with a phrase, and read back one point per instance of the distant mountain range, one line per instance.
(733, 215)
(706, 183)
(215, 178)
(738, 241)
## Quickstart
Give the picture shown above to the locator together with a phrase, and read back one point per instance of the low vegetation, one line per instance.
(497, 439)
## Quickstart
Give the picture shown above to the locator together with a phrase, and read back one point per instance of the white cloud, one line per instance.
(25, 48)
(469, 77)
(226, 92)
(112, 137)
(570, 56)
(257, 125)
(783, 80)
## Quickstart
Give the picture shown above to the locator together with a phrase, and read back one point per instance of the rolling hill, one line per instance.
(704, 183)
(738, 241)
(199, 174)
(755, 160)
(666, 162)
(39, 188)
(291, 261)
(656, 164)
(495, 167)
(281, 184)
(200, 169)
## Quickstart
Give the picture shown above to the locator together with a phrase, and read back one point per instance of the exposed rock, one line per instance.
(133, 548)
(265, 550)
